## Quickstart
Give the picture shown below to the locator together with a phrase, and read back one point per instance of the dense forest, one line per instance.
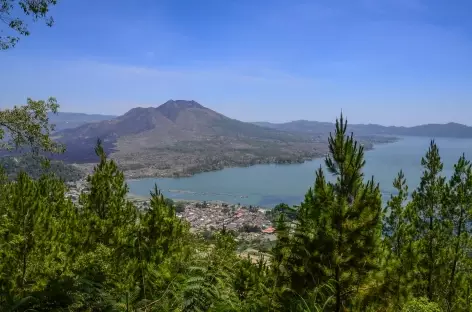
(340, 250)
(37, 166)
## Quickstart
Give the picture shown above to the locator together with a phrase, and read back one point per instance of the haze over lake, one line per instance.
(268, 185)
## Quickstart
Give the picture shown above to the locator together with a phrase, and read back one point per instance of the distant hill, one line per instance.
(173, 121)
(452, 130)
(183, 137)
(64, 120)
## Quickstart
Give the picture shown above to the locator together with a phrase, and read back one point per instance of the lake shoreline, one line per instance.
(266, 186)
(193, 197)
(139, 198)
(177, 175)
(190, 195)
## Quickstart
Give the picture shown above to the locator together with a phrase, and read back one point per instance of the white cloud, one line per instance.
(98, 87)
(249, 73)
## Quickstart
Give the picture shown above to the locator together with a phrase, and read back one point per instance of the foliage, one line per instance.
(399, 247)
(457, 225)
(250, 228)
(421, 305)
(337, 229)
(289, 212)
(29, 126)
(338, 251)
(35, 168)
(180, 207)
(427, 202)
(37, 9)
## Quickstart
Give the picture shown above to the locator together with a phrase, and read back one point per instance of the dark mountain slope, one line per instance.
(135, 121)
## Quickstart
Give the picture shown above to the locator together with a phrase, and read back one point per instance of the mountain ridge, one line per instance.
(180, 138)
(174, 118)
(450, 129)
(68, 120)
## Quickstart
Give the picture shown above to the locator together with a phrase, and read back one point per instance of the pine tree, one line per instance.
(398, 244)
(34, 239)
(354, 215)
(19, 209)
(304, 259)
(252, 283)
(282, 264)
(427, 201)
(337, 232)
(457, 220)
(160, 246)
(108, 214)
(107, 223)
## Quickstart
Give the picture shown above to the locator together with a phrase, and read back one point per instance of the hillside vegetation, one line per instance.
(340, 250)
(34, 167)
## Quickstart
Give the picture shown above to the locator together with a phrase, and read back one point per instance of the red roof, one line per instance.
(269, 230)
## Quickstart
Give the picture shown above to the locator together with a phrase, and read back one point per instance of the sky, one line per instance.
(391, 62)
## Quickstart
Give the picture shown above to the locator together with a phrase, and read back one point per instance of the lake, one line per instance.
(268, 185)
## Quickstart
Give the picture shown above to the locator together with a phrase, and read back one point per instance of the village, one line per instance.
(251, 226)
(211, 216)
(249, 222)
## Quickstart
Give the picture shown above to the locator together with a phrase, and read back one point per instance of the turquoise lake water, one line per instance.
(268, 185)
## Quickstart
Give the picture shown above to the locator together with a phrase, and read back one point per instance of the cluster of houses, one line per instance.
(207, 216)
(219, 215)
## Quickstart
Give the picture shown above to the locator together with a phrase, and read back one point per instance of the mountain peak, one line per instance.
(172, 108)
(181, 104)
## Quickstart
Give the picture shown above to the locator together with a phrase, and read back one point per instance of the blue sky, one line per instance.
(401, 62)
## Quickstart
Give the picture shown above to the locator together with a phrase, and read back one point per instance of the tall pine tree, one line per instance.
(108, 214)
(108, 223)
(457, 221)
(159, 246)
(427, 201)
(338, 228)
(399, 245)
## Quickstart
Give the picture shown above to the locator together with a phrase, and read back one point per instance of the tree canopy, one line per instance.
(13, 14)
(28, 126)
